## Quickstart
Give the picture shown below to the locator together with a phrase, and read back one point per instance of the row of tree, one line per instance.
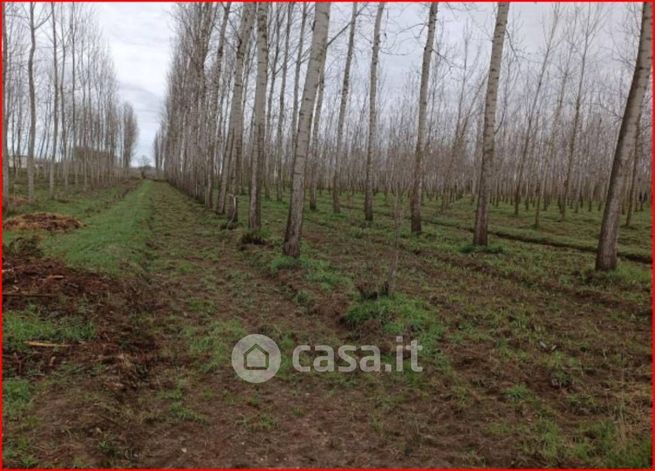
(528, 127)
(61, 111)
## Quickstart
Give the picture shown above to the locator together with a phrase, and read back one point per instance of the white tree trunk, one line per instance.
(314, 72)
(51, 186)
(417, 186)
(489, 129)
(606, 257)
(345, 88)
(372, 120)
(32, 97)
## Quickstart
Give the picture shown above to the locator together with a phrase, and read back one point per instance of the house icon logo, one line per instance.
(256, 358)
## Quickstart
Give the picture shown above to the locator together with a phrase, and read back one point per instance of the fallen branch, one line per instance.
(34, 343)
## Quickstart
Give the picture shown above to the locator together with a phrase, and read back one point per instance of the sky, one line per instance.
(140, 37)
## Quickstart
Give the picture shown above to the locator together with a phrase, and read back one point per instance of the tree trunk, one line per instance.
(345, 88)
(257, 167)
(532, 111)
(55, 117)
(417, 186)
(372, 120)
(228, 191)
(314, 146)
(32, 97)
(280, 123)
(5, 112)
(632, 192)
(606, 258)
(314, 72)
(296, 84)
(488, 137)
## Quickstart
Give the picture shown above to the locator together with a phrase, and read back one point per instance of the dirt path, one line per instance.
(210, 295)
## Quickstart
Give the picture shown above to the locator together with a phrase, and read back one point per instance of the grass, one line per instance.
(35, 325)
(398, 315)
(178, 410)
(112, 241)
(212, 344)
(77, 202)
(489, 249)
(17, 395)
(522, 330)
(321, 272)
(518, 393)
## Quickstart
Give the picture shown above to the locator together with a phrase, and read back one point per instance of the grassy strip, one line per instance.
(111, 241)
(21, 326)
(77, 203)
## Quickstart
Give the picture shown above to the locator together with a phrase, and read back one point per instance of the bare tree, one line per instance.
(315, 68)
(55, 70)
(130, 134)
(35, 24)
(592, 21)
(417, 186)
(489, 129)
(345, 88)
(372, 120)
(5, 110)
(533, 110)
(255, 218)
(234, 145)
(279, 173)
(606, 257)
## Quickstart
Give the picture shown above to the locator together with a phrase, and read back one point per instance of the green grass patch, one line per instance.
(283, 262)
(212, 344)
(16, 397)
(32, 324)
(316, 271)
(518, 393)
(601, 444)
(113, 240)
(17, 394)
(398, 315)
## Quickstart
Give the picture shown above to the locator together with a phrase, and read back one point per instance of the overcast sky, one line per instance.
(140, 38)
